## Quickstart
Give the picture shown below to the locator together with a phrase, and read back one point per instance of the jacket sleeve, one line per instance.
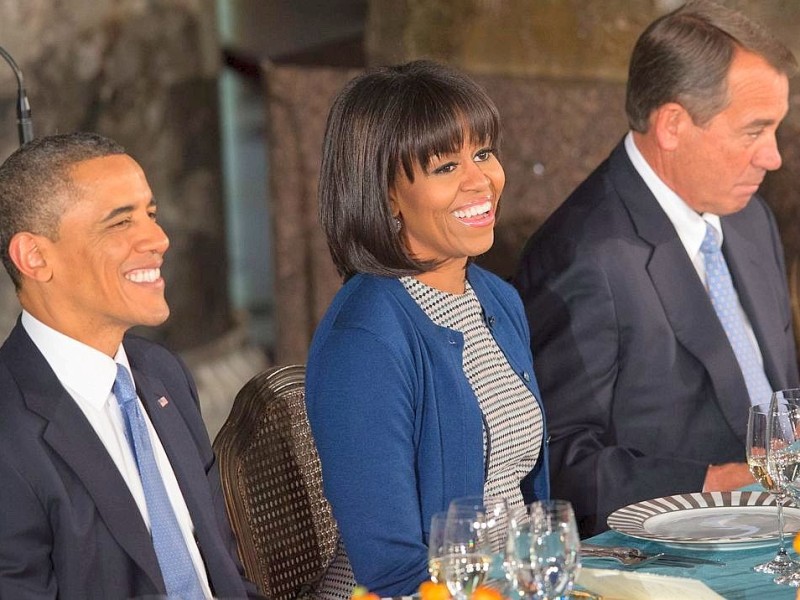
(578, 355)
(26, 571)
(360, 392)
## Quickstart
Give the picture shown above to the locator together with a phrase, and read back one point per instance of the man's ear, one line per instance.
(668, 123)
(27, 253)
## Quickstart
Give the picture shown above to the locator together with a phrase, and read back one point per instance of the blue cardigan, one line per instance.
(397, 426)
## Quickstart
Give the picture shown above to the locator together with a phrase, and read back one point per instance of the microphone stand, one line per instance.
(24, 121)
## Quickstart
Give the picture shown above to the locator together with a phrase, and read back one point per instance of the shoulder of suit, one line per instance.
(753, 217)
(142, 351)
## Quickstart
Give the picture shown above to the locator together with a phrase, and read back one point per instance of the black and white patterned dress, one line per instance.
(512, 417)
(510, 411)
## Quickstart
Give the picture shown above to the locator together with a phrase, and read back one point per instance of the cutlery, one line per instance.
(635, 557)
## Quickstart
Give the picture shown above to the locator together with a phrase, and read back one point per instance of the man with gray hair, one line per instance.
(649, 343)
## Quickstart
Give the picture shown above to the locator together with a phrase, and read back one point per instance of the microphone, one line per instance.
(24, 121)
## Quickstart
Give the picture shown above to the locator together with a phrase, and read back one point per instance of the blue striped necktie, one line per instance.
(725, 301)
(173, 556)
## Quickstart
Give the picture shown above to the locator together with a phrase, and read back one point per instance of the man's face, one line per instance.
(719, 166)
(106, 261)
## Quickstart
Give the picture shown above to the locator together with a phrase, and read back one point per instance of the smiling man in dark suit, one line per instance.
(646, 389)
(108, 485)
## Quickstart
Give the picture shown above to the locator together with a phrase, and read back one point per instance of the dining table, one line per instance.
(731, 573)
(736, 580)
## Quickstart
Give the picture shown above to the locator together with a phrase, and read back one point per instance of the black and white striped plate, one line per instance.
(715, 520)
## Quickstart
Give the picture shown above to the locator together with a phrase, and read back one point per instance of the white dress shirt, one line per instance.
(88, 375)
(690, 225)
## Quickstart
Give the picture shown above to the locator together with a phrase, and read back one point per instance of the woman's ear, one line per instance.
(394, 205)
(28, 254)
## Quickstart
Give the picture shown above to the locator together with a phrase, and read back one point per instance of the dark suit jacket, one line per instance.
(641, 388)
(69, 527)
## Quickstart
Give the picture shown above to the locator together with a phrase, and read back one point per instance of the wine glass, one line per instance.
(467, 554)
(436, 547)
(757, 418)
(783, 454)
(518, 550)
(492, 511)
(544, 542)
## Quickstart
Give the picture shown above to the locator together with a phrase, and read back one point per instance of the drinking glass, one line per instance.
(757, 417)
(518, 551)
(543, 549)
(783, 454)
(436, 547)
(467, 554)
(492, 511)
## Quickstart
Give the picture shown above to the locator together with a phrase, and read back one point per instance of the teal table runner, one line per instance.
(735, 581)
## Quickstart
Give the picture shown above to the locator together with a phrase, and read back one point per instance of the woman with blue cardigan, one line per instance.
(419, 385)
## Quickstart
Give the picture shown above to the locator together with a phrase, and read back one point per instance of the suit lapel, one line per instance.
(187, 464)
(174, 435)
(683, 296)
(71, 436)
(756, 291)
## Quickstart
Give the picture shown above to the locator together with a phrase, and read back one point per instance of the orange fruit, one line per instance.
(429, 590)
(361, 593)
(484, 592)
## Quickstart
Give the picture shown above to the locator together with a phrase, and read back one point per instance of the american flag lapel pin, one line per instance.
(162, 402)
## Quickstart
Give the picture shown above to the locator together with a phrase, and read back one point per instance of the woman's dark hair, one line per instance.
(685, 57)
(389, 119)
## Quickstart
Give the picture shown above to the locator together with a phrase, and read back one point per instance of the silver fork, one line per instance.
(633, 557)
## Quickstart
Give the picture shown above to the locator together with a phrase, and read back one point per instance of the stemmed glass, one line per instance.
(467, 554)
(544, 545)
(757, 418)
(492, 511)
(436, 548)
(783, 454)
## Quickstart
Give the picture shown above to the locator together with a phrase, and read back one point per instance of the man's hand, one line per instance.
(727, 477)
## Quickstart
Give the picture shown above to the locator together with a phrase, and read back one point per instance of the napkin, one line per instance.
(634, 585)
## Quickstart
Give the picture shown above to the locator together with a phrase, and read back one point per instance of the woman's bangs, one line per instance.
(443, 131)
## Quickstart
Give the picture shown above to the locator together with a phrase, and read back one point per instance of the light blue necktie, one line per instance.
(176, 564)
(724, 298)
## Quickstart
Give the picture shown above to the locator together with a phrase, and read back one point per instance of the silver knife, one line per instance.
(627, 553)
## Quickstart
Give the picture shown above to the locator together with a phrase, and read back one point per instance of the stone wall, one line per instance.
(568, 39)
(573, 40)
(555, 68)
(143, 73)
(554, 134)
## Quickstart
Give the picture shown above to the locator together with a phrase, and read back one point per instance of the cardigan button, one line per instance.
(491, 321)
(526, 377)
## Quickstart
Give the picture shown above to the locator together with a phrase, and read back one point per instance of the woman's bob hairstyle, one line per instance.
(387, 119)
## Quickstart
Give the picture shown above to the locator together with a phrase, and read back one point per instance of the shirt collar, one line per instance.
(690, 225)
(81, 369)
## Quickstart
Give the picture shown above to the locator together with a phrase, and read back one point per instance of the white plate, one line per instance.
(709, 521)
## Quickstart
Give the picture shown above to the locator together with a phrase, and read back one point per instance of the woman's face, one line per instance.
(448, 212)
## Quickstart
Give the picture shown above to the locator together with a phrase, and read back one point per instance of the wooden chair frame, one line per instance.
(272, 481)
